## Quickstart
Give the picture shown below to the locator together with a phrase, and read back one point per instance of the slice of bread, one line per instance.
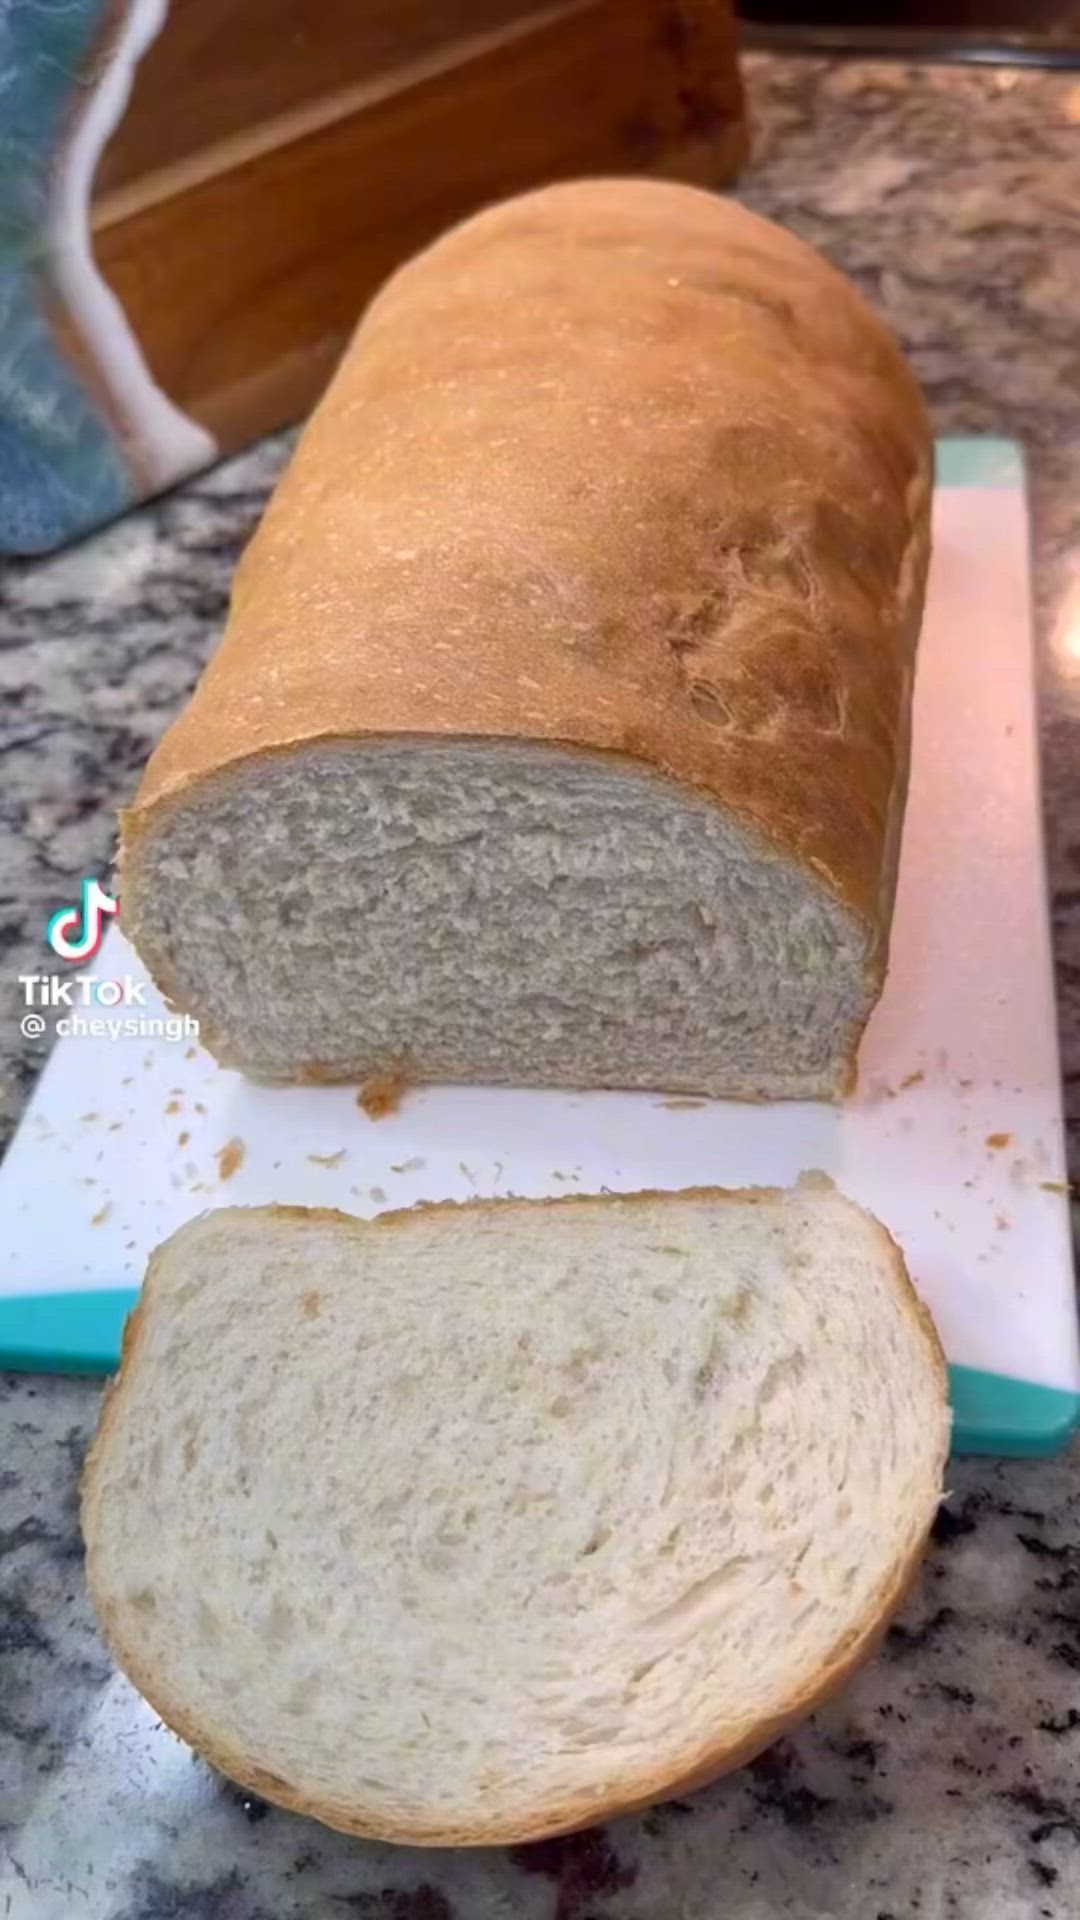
(475, 1524)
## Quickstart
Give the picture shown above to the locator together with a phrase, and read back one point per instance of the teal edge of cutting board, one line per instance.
(82, 1332)
(995, 1414)
(978, 461)
(65, 1332)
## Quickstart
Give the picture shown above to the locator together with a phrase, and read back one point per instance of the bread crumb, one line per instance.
(87, 1180)
(912, 1079)
(129, 1081)
(468, 1172)
(192, 1053)
(310, 1304)
(182, 1139)
(116, 1126)
(173, 1106)
(327, 1159)
(682, 1106)
(230, 1158)
(378, 1195)
(409, 1166)
(86, 1118)
(199, 1108)
(382, 1093)
(98, 1219)
(1053, 1186)
(995, 1141)
(1001, 1223)
(965, 1084)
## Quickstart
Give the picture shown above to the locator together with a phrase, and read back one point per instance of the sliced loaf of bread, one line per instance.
(559, 734)
(474, 1524)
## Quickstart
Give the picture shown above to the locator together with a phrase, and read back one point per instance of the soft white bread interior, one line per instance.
(560, 730)
(478, 1523)
(498, 913)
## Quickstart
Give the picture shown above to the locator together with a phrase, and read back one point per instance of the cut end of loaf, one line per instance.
(497, 1519)
(493, 912)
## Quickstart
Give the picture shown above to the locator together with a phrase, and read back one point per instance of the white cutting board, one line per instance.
(955, 1136)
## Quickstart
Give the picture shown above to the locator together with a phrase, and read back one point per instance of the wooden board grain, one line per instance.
(243, 267)
(222, 67)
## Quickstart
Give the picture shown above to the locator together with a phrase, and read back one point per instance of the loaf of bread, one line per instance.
(489, 1521)
(559, 734)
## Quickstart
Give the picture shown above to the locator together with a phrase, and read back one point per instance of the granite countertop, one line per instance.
(946, 1780)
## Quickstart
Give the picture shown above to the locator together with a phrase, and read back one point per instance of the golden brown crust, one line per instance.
(673, 507)
(677, 1778)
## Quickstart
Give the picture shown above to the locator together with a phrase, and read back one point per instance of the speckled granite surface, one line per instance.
(946, 1782)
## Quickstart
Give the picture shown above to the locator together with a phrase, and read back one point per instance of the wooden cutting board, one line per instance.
(209, 192)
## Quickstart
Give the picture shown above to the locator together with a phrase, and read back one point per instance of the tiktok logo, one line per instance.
(76, 933)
